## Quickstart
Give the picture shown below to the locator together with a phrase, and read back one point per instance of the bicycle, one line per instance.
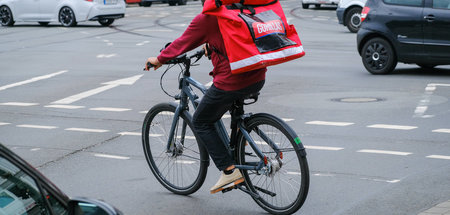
(266, 150)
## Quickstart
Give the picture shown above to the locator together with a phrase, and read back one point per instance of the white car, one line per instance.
(317, 3)
(67, 12)
(349, 13)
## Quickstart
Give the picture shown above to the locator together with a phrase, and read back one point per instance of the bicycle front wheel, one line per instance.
(182, 167)
(282, 185)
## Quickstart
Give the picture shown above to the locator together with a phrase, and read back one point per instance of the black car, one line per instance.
(24, 190)
(407, 31)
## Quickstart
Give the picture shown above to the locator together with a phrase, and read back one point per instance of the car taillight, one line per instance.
(364, 13)
(89, 0)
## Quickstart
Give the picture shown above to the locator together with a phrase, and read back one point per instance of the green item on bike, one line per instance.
(297, 140)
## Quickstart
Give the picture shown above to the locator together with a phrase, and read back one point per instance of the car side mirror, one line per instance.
(86, 206)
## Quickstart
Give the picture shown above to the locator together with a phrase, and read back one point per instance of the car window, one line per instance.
(441, 4)
(405, 2)
(19, 193)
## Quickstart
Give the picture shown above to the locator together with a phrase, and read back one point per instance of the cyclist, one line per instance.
(226, 88)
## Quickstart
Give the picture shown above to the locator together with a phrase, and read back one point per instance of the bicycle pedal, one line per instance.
(228, 189)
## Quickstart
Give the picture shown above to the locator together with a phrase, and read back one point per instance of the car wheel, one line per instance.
(67, 17)
(106, 22)
(182, 2)
(317, 5)
(305, 6)
(6, 16)
(43, 23)
(172, 3)
(378, 56)
(353, 19)
(427, 66)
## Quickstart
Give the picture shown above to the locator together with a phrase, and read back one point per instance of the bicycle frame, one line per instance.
(188, 94)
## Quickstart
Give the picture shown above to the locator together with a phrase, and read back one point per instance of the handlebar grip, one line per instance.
(149, 65)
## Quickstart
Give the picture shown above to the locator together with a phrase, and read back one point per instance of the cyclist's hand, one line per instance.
(154, 62)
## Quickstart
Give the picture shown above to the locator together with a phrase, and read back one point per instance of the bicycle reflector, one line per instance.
(281, 155)
(265, 160)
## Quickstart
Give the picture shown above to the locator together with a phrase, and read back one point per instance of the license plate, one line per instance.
(110, 2)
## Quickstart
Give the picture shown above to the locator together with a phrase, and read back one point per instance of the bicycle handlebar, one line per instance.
(182, 58)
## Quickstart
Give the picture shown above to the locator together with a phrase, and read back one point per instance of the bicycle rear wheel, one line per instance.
(283, 184)
(182, 169)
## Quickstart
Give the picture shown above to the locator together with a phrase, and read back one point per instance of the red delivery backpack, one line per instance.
(255, 33)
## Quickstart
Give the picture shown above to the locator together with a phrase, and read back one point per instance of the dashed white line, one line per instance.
(439, 157)
(397, 127)
(126, 133)
(72, 107)
(327, 148)
(37, 126)
(32, 80)
(21, 104)
(106, 55)
(384, 152)
(287, 119)
(442, 130)
(5, 123)
(111, 156)
(381, 180)
(110, 109)
(184, 162)
(87, 130)
(329, 123)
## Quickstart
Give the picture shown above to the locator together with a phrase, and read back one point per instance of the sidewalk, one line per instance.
(440, 209)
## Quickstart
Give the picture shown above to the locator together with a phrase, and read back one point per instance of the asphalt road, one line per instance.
(72, 102)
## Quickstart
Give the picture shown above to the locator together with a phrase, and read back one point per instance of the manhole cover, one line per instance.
(357, 99)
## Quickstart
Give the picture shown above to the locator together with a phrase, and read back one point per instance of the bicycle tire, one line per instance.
(290, 181)
(185, 172)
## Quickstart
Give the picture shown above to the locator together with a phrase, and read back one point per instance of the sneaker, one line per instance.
(227, 181)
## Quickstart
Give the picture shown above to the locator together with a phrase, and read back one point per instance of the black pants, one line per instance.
(214, 104)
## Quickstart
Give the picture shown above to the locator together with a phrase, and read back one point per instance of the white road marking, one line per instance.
(35, 149)
(184, 162)
(329, 123)
(397, 127)
(384, 152)
(111, 156)
(110, 109)
(382, 180)
(87, 130)
(422, 107)
(143, 43)
(108, 85)
(106, 55)
(187, 137)
(72, 107)
(130, 133)
(323, 148)
(22, 104)
(37, 126)
(442, 130)
(439, 157)
(287, 119)
(4, 123)
(294, 173)
(226, 116)
(32, 80)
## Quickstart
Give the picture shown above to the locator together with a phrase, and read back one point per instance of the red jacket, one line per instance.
(204, 29)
